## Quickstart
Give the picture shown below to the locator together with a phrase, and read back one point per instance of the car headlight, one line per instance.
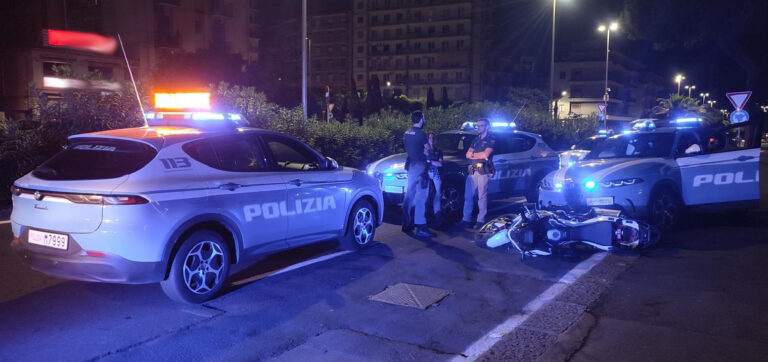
(621, 182)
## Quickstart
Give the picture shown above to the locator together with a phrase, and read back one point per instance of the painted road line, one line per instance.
(485, 343)
(290, 268)
(5, 222)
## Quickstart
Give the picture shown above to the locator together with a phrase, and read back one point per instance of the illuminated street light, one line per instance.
(703, 97)
(563, 93)
(678, 79)
(690, 88)
(711, 103)
(607, 29)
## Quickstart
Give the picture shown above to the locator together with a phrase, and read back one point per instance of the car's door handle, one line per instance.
(231, 186)
(744, 158)
(295, 182)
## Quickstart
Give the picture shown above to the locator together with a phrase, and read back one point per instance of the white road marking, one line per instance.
(5, 222)
(485, 343)
(289, 268)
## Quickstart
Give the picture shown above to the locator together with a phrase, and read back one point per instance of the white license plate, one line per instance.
(393, 189)
(600, 201)
(51, 240)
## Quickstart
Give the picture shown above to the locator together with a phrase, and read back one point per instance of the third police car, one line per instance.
(654, 173)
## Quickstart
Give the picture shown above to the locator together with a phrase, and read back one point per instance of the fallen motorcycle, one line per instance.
(540, 232)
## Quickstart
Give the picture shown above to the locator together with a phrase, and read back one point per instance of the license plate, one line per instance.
(51, 240)
(600, 201)
(393, 189)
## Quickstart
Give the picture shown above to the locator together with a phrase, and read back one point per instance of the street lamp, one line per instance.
(703, 97)
(552, 58)
(690, 88)
(679, 78)
(607, 29)
(711, 103)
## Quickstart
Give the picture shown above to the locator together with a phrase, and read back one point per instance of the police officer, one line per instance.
(416, 145)
(480, 171)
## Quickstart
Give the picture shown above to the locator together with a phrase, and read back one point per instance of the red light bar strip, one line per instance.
(79, 40)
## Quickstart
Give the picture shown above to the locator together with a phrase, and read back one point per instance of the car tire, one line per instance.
(361, 227)
(452, 200)
(664, 210)
(199, 268)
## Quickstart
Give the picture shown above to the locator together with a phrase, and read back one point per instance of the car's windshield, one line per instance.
(589, 143)
(634, 145)
(454, 143)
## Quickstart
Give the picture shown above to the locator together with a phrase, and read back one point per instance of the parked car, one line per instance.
(655, 173)
(521, 160)
(179, 204)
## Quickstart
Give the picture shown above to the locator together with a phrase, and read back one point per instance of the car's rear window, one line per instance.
(96, 158)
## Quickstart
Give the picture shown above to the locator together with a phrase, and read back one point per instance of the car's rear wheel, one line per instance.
(199, 268)
(664, 210)
(361, 227)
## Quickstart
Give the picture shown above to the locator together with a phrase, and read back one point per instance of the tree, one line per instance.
(373, 101)
(445, 102)
(431, 101)
(354, 104)
(677, 106)
(531, 98)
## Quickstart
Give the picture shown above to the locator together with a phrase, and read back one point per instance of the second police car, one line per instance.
(178, 201)
(654, 173)
(521, 160)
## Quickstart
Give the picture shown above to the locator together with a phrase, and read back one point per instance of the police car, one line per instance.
(654, 173)
(180, 200)
(579, 150)
(521, 159)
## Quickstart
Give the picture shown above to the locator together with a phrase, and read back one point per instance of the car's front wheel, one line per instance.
(451, 199)
(664, 210)
(199, 268)
(361, 227)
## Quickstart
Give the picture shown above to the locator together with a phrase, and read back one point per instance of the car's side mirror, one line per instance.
(331, 164)
(693, 149)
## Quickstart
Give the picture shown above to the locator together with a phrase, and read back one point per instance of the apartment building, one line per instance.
(150, 30)
(580, 77)
(411, 45)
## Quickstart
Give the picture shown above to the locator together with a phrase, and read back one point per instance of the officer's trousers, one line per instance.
(476, 185)
(437, 182)
(416, 195)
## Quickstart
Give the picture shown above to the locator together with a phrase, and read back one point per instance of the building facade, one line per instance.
(411, 45)
(150, 30)
(581, 79)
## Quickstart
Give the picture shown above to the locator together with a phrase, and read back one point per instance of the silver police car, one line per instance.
(654, 173)
(179, 204)
(521, 160)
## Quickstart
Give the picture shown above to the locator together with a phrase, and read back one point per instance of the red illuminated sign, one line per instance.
(79, 40)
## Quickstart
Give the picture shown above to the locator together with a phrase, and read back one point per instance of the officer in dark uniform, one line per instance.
(416, 145)
(435, 162)
(481, 170)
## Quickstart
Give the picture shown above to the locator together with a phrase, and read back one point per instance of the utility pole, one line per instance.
(552, 62)
(304, 57)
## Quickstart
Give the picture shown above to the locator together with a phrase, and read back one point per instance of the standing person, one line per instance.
(416, 144)
(480, 171)
(435, 159)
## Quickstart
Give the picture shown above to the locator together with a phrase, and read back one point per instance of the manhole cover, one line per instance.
(411, 295)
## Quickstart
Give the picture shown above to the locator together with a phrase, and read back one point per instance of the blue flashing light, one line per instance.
(626, 131)
(207, 116)
(590, 185)
(512, 125)
(558, 186)
(468, 126)
(235, 117)
(688, 120)
(499, 124)
(602, 132)
(644, 125)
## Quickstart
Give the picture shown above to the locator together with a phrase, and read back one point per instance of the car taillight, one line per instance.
(124, 200)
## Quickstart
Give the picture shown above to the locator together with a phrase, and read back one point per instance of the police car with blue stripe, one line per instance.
(521, 160)
(655, 173)
(181, 199)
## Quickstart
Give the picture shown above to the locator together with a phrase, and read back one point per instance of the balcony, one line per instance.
(410, 34)
(412, 19)
(381, 5)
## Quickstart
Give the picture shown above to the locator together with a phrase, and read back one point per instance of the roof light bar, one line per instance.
(200, 100)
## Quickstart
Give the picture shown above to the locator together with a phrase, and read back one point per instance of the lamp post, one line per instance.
(711, 103)
(607, 29)
(552, 59)
(690, 88)
(678, 79)
(703, 97)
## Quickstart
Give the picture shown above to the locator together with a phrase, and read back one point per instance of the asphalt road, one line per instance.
(264, 314)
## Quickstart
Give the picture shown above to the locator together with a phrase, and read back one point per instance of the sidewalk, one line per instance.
(700, 297)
